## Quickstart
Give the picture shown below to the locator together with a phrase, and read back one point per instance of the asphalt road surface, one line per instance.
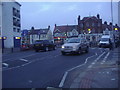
(29, 69)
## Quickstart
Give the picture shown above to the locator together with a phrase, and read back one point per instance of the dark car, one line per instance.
(44, 45)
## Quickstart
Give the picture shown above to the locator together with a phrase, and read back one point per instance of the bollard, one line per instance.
(12, 49)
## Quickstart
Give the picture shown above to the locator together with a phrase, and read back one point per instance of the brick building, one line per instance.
(91, 27)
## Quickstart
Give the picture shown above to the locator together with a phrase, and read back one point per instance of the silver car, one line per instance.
(75, 45)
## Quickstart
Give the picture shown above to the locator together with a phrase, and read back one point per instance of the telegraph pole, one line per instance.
(112, 23)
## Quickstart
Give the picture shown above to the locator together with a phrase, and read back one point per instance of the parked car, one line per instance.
(75, 45)
(25, 46)
(45, 45)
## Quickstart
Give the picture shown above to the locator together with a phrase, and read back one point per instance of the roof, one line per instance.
(93, 17)
(65, 28)
(39, 31)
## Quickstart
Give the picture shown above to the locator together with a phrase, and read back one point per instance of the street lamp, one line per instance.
(58, 38)
(116, 29)
(89, 30)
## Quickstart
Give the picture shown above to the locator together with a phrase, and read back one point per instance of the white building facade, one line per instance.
(11, 26)
(0, 18)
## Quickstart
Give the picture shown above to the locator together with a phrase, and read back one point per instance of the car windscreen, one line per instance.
(39, 41)
(74, 40)
(104, 39)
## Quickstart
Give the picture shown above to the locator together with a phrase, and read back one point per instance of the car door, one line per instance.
(50, 45)
(82, 44)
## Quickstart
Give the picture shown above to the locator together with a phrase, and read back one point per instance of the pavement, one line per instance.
(101, 73)
(10, 50)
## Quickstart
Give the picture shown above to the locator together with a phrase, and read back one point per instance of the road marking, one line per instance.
(99, 56)
(28, 62)
(90, 66)
(24, 60)
(65, 75)
(93, 63)
(113, 79)
(22, 57)
(105, 58)
(63, 79)
(5, 64)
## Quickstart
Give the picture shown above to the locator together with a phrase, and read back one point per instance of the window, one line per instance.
(14, 29)
(18, 30)
(14, 21)
(74, 32)
(93, 24)
(98, 24)
(81, 25)
(57, 34)
(0, 31)
(16, 12)
(87, 24)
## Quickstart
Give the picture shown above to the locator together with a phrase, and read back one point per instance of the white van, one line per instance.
(105, 42)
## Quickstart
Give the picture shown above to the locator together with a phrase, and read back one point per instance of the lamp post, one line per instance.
(112, 24)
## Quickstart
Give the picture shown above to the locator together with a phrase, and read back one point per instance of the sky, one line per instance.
(42, 14)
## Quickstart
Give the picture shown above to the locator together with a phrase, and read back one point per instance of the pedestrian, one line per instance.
(111, 45)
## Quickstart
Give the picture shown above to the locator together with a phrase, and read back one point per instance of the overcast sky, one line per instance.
(42, 14)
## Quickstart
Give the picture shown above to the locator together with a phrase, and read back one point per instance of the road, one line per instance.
(29, 69)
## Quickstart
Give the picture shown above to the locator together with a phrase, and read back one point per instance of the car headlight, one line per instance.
(63, 47)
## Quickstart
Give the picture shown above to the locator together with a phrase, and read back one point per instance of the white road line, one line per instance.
(65, 75)
(5, 64)
(28, 62)
(99, 56)
(22, 57)
(90, 66)
(105, 58)
(63, 79)
(23, 60)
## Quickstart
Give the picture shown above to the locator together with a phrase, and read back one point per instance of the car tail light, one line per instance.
(23, 45)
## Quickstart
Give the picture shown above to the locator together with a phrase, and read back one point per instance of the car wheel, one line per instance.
(55, 48)
(63, 53)
(36, 50)
(46, 49)
(79, 51)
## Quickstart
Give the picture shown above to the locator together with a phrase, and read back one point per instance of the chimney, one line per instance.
(105, 23)
(78, 19)
(116, 25)
(49, 27)
(32, 28)
(98, 16)
(55, 25)
(110, 23)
